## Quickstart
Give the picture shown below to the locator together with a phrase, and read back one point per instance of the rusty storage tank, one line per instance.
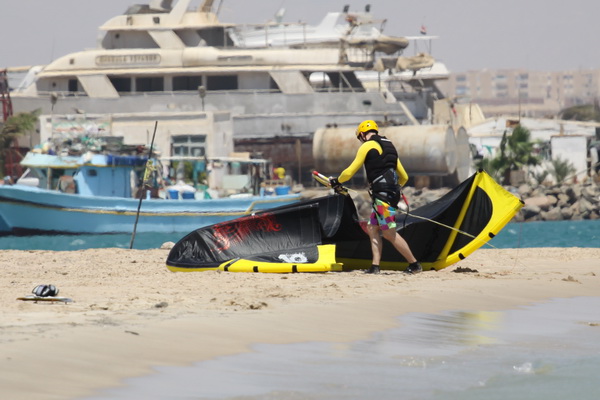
(423, 149)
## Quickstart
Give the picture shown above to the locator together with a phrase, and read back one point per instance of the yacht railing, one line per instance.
(316, 88)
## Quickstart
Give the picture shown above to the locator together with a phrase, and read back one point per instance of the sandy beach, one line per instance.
(130, 313)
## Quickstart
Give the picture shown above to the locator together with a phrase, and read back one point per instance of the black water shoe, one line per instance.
(373, 270)
(414, 268)
(45, 290)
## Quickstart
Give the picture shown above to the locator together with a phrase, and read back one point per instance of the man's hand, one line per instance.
(335, 184)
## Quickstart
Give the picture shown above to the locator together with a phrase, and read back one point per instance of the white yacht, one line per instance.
(355, 29)
(167, 58)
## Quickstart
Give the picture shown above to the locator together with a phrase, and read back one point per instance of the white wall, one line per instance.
(138, 128)
(573, 149)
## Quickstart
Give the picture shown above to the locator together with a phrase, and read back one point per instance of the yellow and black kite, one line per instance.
(325, 234)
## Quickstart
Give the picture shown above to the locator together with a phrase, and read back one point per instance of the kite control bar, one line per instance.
(325, 181)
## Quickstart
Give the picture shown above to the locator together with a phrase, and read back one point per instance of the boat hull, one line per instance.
(29, 210)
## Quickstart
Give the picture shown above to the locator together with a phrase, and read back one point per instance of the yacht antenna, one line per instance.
(219, 7)
(206, 6)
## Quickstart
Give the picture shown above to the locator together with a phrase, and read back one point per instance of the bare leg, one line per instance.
(376, 242)
(399, 244)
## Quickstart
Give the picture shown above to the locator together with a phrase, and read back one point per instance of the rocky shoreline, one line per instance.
(557, 203)
(542, 203)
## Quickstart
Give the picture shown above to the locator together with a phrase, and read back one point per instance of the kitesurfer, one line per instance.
(385, 175)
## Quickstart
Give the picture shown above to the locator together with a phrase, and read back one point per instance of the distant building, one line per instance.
(571, 141)
(523, 92)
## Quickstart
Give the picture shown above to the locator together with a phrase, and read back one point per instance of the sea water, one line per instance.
(547, 351)
(585, 233)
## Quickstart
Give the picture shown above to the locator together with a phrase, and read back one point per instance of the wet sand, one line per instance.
(130, 313)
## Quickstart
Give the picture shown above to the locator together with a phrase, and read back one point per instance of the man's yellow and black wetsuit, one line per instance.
(385, 173)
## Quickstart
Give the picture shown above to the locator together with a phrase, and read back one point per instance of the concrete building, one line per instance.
(523, 92)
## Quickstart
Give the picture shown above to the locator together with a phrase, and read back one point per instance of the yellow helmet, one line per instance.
(366, 126)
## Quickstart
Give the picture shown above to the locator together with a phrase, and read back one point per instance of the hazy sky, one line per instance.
(544, 35)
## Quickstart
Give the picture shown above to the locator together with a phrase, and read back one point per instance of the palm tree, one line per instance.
(15, 126)
(516, 152)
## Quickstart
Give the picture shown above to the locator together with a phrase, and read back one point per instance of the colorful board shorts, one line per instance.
(383, 215)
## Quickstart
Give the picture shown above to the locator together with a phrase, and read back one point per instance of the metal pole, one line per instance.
(299, 158)
(137, 217)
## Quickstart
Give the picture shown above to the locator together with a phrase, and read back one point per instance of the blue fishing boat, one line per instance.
(97, 193)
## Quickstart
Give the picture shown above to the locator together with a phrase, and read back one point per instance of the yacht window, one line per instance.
(189, 145)
(186, 82)
(223, 82)
(345, 81)
(216, 36)
(121, 84)
(73, 87)
(149, 84)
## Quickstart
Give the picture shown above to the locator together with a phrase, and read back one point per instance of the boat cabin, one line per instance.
(87, 175)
